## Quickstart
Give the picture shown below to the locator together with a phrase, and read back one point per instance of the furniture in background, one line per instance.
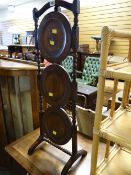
(116, 127)
(86, 96)
(68, 64)
(97, 38)
(14, 49)
(85, 120)
(30, 38)
(18, 101)
(108, 89)
(114, 59)
(3, 138)
(47, 159)
(82, 55)
(4, 51)
(89, 74)
(84, 48)
(118, 101)
(15, 38)
(19, 49)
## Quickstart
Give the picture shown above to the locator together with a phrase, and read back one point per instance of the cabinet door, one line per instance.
(17, 106)
(3, 139)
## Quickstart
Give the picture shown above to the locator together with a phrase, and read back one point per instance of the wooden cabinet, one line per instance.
(16, 48)
(116, 127)
(3, 138)
(18, 100)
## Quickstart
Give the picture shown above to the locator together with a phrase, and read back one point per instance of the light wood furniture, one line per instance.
(108, 89)
(117, 126)
(118, 100)
(3, 52)
(48, 160)
(19, 107)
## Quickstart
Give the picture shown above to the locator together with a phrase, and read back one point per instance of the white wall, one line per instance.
(21, 18)
(21, 11)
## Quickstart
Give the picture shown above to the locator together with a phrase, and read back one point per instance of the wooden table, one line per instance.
(47, 160)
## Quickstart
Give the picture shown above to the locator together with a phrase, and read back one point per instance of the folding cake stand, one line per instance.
(53, 41)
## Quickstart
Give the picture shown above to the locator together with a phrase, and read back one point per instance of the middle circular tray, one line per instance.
(56, 85)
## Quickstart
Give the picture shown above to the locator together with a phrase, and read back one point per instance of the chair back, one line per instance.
(68, 64)
(90, 70)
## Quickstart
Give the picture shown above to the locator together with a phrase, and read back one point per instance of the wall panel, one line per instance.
(91, 20)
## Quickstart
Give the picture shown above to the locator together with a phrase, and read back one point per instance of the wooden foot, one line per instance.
(35, 144)
(71, 161)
